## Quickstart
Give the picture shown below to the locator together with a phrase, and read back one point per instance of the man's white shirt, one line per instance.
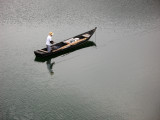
(49, 38)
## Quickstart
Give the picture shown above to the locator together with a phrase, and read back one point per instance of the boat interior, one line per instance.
(68, 42)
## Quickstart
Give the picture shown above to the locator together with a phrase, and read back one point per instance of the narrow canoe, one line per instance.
(66, 52)
(66, 44)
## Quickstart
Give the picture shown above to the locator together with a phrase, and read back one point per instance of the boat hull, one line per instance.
(63, 46)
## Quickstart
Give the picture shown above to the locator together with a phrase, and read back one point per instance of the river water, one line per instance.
(118, 79)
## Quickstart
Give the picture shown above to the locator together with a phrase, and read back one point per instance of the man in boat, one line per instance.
(49, 41)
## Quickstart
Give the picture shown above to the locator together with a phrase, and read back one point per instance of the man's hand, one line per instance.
(51, 42)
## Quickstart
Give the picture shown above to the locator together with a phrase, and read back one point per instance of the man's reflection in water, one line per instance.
(49, 66)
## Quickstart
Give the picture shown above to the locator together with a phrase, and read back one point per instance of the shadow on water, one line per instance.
(84, 45)
(50, 66)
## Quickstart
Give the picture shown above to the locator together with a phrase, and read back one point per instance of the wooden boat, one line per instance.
(66, 44)
(68, 51)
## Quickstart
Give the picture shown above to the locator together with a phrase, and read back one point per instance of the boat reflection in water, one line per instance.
(51, 64)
